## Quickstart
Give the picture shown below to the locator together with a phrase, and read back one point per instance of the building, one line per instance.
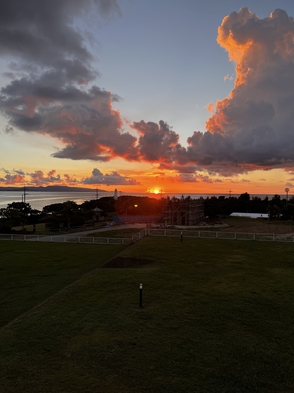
(97, 213)
(250, 215)
(183, 211)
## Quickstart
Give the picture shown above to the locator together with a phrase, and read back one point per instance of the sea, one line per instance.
(39, 199)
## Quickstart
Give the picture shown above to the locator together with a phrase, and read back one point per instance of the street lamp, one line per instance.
(287, 192)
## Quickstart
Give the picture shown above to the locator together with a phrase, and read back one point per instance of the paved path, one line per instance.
(110, 228)
(126, 226)
(60, 237)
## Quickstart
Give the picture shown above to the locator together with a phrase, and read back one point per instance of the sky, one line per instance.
(181, 96)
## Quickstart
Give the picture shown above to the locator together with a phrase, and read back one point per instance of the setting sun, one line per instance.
(154, 191)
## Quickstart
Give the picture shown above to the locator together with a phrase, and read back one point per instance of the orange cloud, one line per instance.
(12, 179)
(210, 107)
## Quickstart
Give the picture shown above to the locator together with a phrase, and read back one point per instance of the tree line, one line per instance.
(70, 214)
(277, 208)
(56, 216)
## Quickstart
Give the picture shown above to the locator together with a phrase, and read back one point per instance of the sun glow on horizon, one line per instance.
(155, 191)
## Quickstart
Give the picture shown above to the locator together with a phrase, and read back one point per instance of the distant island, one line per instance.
(52, 189)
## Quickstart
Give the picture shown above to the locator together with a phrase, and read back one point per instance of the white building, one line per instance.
(250, 215)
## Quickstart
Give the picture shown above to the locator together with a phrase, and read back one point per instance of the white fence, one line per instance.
(222, 235)
(68, 239)
(153, 232)
(139, 235)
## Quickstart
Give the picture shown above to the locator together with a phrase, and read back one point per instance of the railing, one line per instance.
(222, 235)
(139, 235)
(152, 232)
(68, 239)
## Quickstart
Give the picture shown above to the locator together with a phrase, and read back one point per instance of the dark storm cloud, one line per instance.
(51, 92)
(156, 141)
(51, 67)
(44, 31)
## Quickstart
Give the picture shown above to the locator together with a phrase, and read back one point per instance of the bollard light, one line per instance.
(141, 295)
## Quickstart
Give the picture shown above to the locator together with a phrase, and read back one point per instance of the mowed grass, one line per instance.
(123, 232)
(38, 227)
(217, 317)
(31, 272)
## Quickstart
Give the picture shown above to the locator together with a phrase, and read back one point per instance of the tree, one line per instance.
(274, 212)
(15, 214)
(69, 212)
(66, 214)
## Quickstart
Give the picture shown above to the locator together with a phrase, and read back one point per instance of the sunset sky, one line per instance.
(175, 95)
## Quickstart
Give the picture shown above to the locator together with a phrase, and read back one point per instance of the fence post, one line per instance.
(11, 237)
(235, 235)
(216, 235)
(141, 295)
(273, 237)
(253, 236)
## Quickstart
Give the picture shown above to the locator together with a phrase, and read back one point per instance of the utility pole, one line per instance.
(24, 195)
(230, 192)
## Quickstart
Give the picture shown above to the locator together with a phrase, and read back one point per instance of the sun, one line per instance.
(154, 191)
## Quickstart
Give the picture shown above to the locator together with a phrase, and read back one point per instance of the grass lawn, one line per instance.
(123, 232)
(217, 317)
(39, 227)
(32, 272)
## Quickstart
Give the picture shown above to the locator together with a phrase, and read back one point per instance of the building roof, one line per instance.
(250, 215)
(96, 209)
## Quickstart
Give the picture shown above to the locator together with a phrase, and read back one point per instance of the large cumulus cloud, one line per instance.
(157, 142)
(254, 127)
(52, 91)
(52, 88)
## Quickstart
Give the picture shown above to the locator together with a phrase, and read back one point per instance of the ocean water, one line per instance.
(39, 199)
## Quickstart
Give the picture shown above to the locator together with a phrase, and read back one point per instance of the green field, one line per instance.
(121, 232)
(217, 317)
(32, 272)
(30, 228)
